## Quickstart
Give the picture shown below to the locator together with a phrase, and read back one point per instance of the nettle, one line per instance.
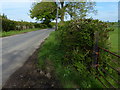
(78, 38)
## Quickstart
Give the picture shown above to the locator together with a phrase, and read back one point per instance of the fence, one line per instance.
(108, 73)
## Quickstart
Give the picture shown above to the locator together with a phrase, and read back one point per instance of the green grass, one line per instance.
(114, 39)
(67, 75)
(9, 33)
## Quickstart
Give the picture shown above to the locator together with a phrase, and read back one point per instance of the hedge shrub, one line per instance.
(8, 25)
(77, 40)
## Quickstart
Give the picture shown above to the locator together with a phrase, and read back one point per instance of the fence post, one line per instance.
(95, 49)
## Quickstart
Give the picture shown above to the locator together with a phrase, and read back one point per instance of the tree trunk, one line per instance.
(63, 13)
(62, 17)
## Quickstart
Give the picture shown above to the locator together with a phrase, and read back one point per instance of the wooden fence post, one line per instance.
(95, 49)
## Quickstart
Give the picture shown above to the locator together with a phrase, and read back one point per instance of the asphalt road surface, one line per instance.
(16, 50)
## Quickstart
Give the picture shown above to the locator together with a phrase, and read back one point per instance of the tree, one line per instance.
(44, 11)
(76, 9)
(3, 16)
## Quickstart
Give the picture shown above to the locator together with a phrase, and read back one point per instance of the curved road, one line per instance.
(16, 49)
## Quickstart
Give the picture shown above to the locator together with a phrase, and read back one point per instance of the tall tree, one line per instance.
(76, 9)
(3, 16)
(80, 9)
(44, 11)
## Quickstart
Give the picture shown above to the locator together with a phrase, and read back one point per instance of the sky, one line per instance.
(19, 10)
(106, 11)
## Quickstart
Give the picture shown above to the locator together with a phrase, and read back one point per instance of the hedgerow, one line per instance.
(70, 48)
(8, 25)
(77, 41)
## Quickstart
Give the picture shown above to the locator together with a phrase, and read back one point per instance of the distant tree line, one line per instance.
(8, 25)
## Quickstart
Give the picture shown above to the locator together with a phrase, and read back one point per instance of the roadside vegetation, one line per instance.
(70, 50)
(10, 27)
(73, 50)
(68, 76)
(13, 32)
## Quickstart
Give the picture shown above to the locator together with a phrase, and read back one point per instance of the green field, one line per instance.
(4, 34)
(114, 39)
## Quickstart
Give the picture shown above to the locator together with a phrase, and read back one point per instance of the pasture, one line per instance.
(114, 37)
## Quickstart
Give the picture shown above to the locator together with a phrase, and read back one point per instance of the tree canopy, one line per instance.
(78, 10)
(46, 11)
(3, 16)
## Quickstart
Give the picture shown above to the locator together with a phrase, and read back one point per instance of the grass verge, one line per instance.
(67, 75)
(4, 34)
(114, 39)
